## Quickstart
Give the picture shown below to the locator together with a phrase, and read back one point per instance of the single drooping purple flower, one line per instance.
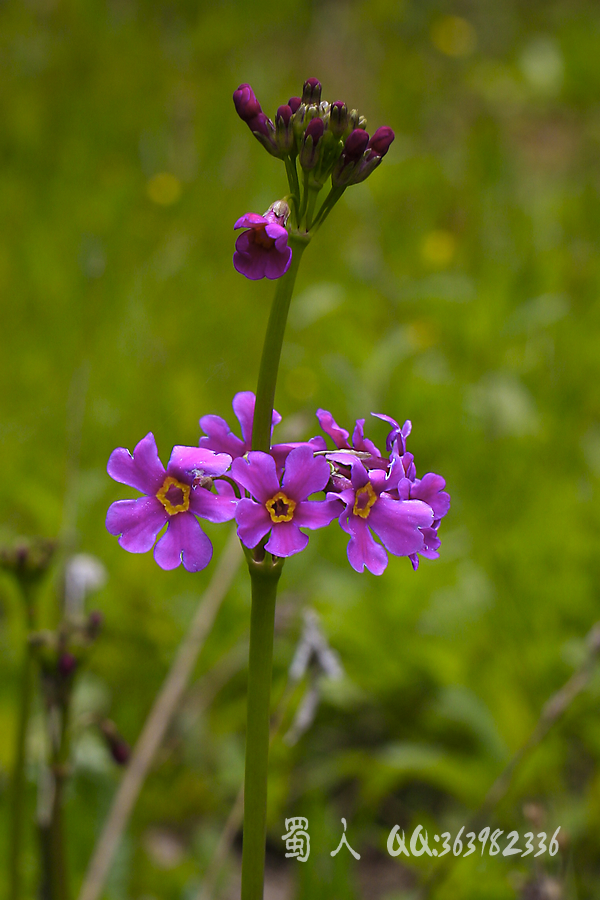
(262, 251)
(282, 509)
(172, 497)
(221, 439)
(370, 507)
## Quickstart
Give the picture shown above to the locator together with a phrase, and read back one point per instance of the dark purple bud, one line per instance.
(315, 129)
(67, 664)
(120, 751)
(294, 103)
(310, 150)
(264, 130)
(285, 113)
(356, 144)
(283, 129)
(381, 140)
(246, 104)
(338, 118)
(311, 93)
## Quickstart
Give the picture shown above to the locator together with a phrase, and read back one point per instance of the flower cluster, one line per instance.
(325, 141)
(272, 495)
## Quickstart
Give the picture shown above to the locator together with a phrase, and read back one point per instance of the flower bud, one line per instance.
(338, 118)
(94, 624)
(246, 104)
(294, 103)
(67, 663)
(311, 93)
(310, 150)
(118, 746)
(381, 140)
(354, 148)
(264, 131)
(284, 132)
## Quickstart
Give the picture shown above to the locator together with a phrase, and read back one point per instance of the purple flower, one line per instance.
(370, 507)
(262, 251)
(282, 509)
(221, 439)
(172, 497)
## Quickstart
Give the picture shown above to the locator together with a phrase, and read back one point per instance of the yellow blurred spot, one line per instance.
(301, 383)
(421, 334)
(164, 188)
(438, 248)
(453, 36)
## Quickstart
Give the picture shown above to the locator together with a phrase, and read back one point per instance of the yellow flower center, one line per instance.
(174, 496)
(364, 500)
(281, 508)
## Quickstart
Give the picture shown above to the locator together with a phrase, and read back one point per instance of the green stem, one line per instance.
(310, 209)
(330, 200)
(265, 577)
(269, 364)
(15, 843)
(60, 877)
(292, 174)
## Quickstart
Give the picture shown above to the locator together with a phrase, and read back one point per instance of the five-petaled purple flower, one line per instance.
(282, 509)
(263, 250)
(173, 497)
(369, 505)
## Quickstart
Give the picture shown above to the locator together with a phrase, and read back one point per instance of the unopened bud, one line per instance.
(345, 167)
(264, 131)
(338, 118)
(284, 132)
(67, 664)
(381, 140)
(118, 746)
(246, 104)
(309, 152)
(362, 122)
(294, 103)
(311, 93)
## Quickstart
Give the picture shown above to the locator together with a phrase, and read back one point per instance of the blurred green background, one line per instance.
(456, 287)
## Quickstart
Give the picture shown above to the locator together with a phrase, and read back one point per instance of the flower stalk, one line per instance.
(265, 577)
(269, 364)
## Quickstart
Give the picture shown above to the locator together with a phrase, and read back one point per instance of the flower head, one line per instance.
(174, 497)
(263, 250)
(282, 508)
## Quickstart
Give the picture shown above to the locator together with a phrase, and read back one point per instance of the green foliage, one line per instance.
(456, 287)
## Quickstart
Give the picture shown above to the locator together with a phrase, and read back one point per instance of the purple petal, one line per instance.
(276, 231)
(286, 539)
(256, 474)
(304, 474)
(316, 513)
(243, 407)
(397, 433)
(220, 438)
(143, 470)
(184, 541)
(213, 507)
(338, 435)
(253, 522)
(137, 521)
(431, 489)
(249, 220)
(360, 442)
(363, 550)
(277, 261)
(186, 463)
(397, 523)
(250, 265)
(359, 475)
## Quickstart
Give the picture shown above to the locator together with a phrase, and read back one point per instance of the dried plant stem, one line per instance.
(158, 720)
(552, 711)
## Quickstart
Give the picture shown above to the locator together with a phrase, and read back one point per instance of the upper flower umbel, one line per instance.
(173, 497)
